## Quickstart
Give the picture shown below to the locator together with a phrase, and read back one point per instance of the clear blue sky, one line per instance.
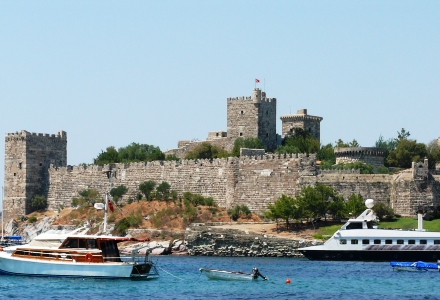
(110, 73)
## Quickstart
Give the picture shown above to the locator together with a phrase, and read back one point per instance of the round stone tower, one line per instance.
(369, 155)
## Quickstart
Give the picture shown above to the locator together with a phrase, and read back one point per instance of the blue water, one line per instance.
(180, 279)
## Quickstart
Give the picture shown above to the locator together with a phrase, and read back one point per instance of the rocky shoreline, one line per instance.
(204, 240)
(199, 239)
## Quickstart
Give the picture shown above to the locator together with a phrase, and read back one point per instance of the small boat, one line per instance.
(413, 266)
(231, 275)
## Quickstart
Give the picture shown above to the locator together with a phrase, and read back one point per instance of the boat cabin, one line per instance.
(77, 249)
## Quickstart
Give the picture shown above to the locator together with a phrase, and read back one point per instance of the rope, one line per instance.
(169, 273)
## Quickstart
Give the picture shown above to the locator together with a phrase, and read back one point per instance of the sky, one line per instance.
(111, 73)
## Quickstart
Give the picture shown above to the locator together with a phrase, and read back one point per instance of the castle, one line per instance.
(36, 164)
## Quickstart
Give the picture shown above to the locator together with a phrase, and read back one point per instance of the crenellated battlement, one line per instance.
(243, 98)
(25, 135)
(369, 155)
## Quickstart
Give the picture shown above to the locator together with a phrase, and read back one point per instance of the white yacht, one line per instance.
(359, 239)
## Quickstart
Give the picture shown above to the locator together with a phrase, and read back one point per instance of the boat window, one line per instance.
(377, 242)
(423, 242)
(343, 242)
(71, 243)
(355, 225)
(388, 242)
(49, 255)
(82, 243)
(400, 242)
(35, 253)
(365, 242)
(92, 244)
(354, 242)
(436, 242)
(411, 242)
(21, 252)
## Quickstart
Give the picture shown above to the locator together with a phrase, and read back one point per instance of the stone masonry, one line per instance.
(27, 160)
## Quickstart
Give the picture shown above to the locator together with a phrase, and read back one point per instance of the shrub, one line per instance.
(32, 219)
(39, 202)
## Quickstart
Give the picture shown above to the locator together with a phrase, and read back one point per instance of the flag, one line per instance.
(257, 80)
(110, 205)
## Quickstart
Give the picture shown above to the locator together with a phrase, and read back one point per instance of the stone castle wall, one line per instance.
(27, 159)
(255, 182)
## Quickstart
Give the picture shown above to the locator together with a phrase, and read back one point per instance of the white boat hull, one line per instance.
(35, 267)
(226, 275)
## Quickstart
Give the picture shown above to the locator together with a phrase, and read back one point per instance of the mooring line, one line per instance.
(170, 273)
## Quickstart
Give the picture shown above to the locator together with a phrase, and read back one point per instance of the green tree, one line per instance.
(285, 208)
(315, 201)
(383, 211)
(301, 141)
(110, 156)
(118, 192)
(140, 152)
(249, 142)
(433, 150)
(206, 151)
(354, 206)
(406, 152)
(146, 188)
(327, 156)
(163, 191)
(39, 202)
(89, 197)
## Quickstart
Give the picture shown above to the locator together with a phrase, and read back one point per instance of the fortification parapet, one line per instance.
(369, 155)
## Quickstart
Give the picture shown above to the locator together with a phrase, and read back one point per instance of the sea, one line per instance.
(180, 279)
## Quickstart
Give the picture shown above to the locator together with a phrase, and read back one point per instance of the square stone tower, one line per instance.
(301, 120)
(253, 116)
(27, 160)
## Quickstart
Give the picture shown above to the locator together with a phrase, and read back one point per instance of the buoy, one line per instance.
(287, 280)
(89, 257)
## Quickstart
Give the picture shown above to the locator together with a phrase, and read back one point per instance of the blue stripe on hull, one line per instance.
(428, 256)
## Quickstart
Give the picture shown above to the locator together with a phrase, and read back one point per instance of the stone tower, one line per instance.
(301, 120)
(253, 116)
(27, 160)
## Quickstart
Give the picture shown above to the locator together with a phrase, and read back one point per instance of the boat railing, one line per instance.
(140, 258)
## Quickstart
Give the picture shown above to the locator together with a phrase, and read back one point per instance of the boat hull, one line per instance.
(27, 267)
(371, 255)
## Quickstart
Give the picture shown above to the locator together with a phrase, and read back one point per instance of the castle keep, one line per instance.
(36, 164)
(27, 160)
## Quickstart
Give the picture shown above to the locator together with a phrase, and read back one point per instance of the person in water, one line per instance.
(257, 273)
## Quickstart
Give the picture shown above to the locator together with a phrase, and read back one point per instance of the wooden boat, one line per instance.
(78, 256)
(231, 275)
(413, 266)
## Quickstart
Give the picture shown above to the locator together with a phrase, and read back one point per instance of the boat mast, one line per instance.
(105, 212)
(3, 223)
